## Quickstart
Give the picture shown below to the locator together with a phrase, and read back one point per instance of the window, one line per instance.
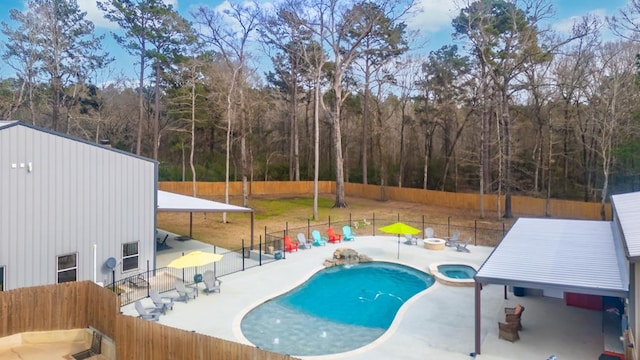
(1, 278)
(67, 268)
(129, 256)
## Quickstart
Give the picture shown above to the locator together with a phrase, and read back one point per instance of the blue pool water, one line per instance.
(336, 310)
(455, 271)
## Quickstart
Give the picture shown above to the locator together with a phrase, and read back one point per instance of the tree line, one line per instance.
(516, 108)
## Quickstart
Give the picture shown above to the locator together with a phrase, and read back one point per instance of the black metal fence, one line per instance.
(271, 248)
(480, 231)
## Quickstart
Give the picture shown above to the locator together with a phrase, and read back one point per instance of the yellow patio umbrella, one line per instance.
(399, 229)
(193, 259)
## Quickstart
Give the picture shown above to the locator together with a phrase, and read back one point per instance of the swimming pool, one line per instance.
(338, 309)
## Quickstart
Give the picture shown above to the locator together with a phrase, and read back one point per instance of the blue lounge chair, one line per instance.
(347, 234)
(318, 240)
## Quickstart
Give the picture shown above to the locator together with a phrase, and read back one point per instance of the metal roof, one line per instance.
(168, 201)
(569, 255)
(627, 211)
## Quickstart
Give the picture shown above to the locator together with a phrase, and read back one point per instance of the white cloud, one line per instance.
(564, 26)
(432, 15)
(95, 15)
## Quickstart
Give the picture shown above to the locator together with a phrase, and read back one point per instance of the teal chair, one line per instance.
(347, 234)
(318, 240)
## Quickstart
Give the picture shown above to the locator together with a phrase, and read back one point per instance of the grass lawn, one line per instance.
(277, 214)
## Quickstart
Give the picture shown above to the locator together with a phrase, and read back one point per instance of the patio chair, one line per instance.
(318, 240)
(463, 247)
(162, 244)
(410, 240)
(184, 294)
(429, 233)
(145, 313)
(95, 349)
(302, 241)
(333, 237)
(211, 283)
(289, 245)
(159, 301)
(453, 239)
(508, 331)
(347, 234)
(513, 315)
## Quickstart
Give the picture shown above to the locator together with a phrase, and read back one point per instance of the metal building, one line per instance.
(70, 208)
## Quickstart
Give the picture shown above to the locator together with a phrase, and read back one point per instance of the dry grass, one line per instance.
(273, 215)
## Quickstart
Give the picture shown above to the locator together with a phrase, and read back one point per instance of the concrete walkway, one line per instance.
(436, 324)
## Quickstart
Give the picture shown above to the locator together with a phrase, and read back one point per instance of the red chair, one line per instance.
(333, 237)
(289, 245)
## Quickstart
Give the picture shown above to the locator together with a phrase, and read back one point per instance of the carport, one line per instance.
(172, 202)
(555, 256)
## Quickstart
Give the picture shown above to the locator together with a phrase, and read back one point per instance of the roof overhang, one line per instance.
(172, 202)
(569, 255)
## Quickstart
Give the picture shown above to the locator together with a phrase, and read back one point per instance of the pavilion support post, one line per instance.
(478, 316)
(191, 225)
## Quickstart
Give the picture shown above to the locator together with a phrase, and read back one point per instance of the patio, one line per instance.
(438, 323)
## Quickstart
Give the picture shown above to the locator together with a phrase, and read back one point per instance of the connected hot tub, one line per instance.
(453, 274)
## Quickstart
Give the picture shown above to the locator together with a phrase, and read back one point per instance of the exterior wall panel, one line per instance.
(77, 194)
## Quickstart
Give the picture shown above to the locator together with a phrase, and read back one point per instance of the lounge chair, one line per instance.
(513, 314)
(95, 349)
(158, 300)
(463, 247)
(184, 294)
(289, 245)
(302, 242)
(429, 233)
(410, 240)
(453, 239)
(145, 313)
(211, 283)
(318, 240)
(332, 237)
(508, 331)
(347, 234)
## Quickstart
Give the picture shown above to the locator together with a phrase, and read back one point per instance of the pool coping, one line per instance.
(441, 278)
(237, 330)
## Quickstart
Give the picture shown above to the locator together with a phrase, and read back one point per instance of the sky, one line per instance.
(432, 21)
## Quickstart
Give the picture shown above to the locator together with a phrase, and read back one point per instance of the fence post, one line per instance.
(242, 254)
(148, 283)
(373, 231)
(475, 232)
(449, 225)
(308, 228)
(329, 220)
(423, 223)
(260, 251)
(284, 252)
(350, 219)
(503, 230)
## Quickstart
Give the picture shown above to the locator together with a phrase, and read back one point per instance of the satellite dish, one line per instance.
(111, 263)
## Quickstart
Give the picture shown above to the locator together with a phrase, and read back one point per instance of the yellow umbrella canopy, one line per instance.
(399, 229)
(194, 258)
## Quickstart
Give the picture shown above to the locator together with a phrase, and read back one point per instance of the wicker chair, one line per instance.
(513, 315)
(508, 331)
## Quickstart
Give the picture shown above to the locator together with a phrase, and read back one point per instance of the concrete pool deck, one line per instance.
(437, 323)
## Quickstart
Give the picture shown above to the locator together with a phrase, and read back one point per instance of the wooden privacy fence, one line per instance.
(78, 305)
(521, 205)
(72, 305)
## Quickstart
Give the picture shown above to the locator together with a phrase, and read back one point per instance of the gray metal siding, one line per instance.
(626, 213)
(77, 195)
